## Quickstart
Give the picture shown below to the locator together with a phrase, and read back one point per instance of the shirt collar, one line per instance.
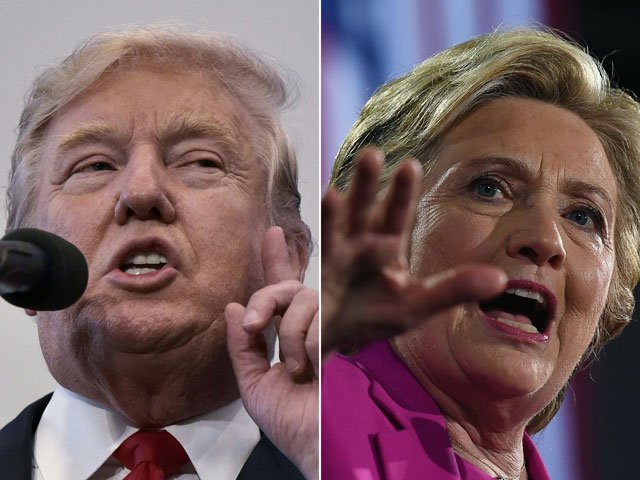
(76, 436)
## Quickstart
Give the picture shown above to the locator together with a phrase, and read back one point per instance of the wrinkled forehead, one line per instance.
(161, 103)
(162, 96)
(536, 138)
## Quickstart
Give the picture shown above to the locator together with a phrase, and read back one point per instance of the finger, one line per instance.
(248, 352)
(363, 190)
(275, 257)
(294, 327)
(415, 302)
(267, 302)
(467, 283)
(399, 203)
(330, 207)
(312, 344)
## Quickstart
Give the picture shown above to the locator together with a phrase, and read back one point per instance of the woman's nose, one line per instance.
(143, 191)
(536, 238)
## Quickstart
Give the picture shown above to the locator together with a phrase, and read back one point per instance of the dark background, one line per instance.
(610, 420)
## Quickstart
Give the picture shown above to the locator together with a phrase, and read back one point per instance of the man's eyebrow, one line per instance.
(184, 127)
(93, 132)
(176, 129)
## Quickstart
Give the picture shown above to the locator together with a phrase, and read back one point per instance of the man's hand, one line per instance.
(282, 399)
(367, 289)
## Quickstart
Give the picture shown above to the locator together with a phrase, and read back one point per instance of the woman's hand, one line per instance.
(367, 290)
(282, 399)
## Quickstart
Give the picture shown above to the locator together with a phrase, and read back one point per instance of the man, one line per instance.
(159, 153)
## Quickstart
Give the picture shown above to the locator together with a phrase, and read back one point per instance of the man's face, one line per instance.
(150, 173)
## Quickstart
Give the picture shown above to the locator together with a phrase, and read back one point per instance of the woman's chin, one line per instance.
(505, 372)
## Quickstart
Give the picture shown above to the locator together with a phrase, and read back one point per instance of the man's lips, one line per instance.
(144, 245)
(144, 264)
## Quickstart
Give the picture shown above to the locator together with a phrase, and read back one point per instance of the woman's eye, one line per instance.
(487, 189)
(580, 217)
(586, 218)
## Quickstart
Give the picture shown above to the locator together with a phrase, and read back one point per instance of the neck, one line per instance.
(153, 390)
(508, 464)
(485, 429)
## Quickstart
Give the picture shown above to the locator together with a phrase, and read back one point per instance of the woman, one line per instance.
(502, 258)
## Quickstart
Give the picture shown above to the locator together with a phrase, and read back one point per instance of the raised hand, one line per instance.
(282, 399)
(367, 290)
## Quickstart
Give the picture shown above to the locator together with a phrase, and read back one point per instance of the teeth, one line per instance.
(523, 292)
(139, 271)
(146, 258)
(522, 326)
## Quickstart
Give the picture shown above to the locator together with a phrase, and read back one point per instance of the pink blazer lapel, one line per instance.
(402, 457)
(409, 453)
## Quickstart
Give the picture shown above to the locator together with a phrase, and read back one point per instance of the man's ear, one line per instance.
(299, 257)
(31, 313)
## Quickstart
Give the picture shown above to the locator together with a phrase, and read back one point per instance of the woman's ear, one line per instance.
(31, 313)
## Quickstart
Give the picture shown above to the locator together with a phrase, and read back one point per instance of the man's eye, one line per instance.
(99, 167)
(207, 163)
(93, 167)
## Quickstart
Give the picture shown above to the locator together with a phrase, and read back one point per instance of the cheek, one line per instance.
(80, 219)
(587, 287)
(228, 241)
(445, 236)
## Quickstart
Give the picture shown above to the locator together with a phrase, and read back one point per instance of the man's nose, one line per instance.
(143, 190)
(536, 237)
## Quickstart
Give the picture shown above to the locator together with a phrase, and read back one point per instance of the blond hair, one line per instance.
(245, 75)
(409, 116)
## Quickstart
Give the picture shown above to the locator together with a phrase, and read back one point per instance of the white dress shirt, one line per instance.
(76, 437)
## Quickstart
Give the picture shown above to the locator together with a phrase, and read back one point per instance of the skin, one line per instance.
(119, 167)
(527, 217)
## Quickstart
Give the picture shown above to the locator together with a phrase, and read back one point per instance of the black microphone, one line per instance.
(40, 270)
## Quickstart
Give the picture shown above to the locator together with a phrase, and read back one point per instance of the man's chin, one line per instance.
(137, 326)
(159, 330)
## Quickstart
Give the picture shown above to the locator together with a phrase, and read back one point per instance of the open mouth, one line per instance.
(143, 262)
(527, 309)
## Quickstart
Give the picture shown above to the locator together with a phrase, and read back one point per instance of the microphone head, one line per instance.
(66, 275)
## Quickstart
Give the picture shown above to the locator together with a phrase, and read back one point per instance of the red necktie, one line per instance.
(151, 455)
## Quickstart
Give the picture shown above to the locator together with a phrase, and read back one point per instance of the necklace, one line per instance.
(493, 468)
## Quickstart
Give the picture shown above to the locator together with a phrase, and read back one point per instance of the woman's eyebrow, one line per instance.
(520, 168)
(580, 188)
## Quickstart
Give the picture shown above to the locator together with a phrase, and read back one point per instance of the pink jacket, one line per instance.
(378, 423)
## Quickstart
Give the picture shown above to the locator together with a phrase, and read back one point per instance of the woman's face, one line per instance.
(526, 186)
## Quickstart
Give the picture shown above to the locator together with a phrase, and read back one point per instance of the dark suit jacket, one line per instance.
(266, 462)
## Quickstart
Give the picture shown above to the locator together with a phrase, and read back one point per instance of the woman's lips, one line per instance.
(515, 328)
(525, 311)
(522, 322)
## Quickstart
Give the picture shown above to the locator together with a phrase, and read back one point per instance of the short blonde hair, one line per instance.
(245, 75)
(409, 116)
